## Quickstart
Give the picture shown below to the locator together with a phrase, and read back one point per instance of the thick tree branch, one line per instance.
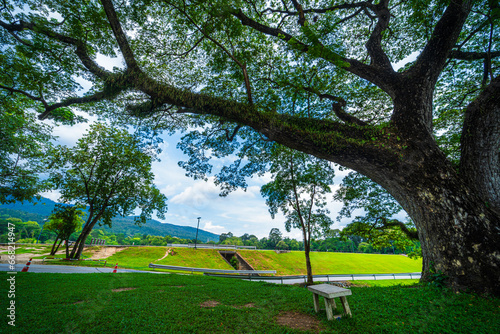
(74, 100)
(363, 4)
(394, 222)
(370, 73)
(374, 44)
(432, 60)
(464, 55)
(120, 36)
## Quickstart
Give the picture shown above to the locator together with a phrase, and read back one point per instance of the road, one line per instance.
(39, 268)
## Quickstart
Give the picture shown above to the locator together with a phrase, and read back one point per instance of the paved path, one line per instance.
(39, 268)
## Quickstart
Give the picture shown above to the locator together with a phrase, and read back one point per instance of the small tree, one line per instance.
(64, 221)
(109, 171)
(282, 245)
(298, 189)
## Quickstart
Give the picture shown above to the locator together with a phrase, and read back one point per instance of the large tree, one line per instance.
(109, 172)
(428, 133)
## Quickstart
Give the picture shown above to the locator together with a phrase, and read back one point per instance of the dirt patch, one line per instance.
(78, 302)
(105, 252)
(169, 251)
(300, 321)
(123, 289)
(210, 303)
(249, 305)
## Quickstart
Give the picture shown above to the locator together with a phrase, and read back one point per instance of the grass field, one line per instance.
(147, 303)
(294, 263)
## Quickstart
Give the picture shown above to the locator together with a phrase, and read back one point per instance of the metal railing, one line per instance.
(207, 270)
(323, 278)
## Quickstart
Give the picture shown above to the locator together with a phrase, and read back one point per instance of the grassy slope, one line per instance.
(86, 303)
(293, 263)
(141, 257)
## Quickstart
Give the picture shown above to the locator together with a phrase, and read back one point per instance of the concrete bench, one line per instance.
(329, 292)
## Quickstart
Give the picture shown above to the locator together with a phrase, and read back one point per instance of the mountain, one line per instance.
(39, 210)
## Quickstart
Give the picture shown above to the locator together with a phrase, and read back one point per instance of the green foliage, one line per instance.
(24, 149)
(109, 171)
(234, 263)
(298, 189)
(65, 220)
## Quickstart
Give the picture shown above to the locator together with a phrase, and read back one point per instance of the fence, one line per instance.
(323, 278)
(218, 271)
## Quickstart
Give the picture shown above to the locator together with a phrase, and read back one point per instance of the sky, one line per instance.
(239, 213)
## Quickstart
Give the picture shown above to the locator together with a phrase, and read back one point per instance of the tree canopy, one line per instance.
(109, 172)
(316, 76)
(64, 221)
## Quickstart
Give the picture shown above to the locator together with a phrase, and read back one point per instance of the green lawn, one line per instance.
(294, 263)
(148, 303)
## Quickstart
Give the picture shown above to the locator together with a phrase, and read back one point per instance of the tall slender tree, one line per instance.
(300, 183)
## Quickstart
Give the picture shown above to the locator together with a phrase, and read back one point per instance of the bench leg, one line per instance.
(328, 306)
(316, 302)
(345, 304)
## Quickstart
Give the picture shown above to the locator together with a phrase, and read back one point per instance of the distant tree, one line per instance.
(109, 171)
(275, 236)
(383, 233)
(282, 245)
(224, 236)
(64, 220)
(232, 241)
(300, 183)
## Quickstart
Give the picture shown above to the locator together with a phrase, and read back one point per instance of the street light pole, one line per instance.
(196, 239)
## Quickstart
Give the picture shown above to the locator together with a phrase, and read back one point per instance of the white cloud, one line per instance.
(210, 227)
(52, 195)
(198, 195)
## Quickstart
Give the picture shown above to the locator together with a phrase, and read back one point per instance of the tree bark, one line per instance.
(54, 249)
(307, 250)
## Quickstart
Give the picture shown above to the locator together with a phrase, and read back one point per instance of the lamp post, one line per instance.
(196, 239)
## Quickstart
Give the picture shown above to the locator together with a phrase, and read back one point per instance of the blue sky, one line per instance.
(240, 212)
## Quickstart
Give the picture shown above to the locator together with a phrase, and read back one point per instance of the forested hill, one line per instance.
(43, 207)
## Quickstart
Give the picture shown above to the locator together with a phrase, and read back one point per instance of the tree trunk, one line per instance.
(307, 250)
(67, 249)
(54, 249)
(80, 242)
(458, 231)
